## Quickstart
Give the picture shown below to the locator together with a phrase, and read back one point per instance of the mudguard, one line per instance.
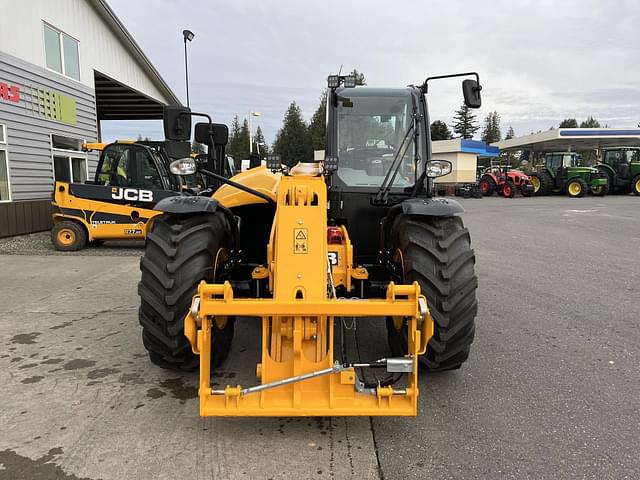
(427, 207)
(432, 207)
(187, 204)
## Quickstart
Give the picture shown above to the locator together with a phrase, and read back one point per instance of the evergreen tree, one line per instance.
(510, 133)
(318, 125)
(440, 131)
(360, 78)
(590, 122)
(465, 124)
(243, 140)
(491, 132)
(233, 147)
(292, 141)
(258, 139)
(569, 123)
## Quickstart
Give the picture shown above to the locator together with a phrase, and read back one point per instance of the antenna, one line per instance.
(340, 71)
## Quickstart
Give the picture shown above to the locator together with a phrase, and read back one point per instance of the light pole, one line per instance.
(188, 35)
(251, 114)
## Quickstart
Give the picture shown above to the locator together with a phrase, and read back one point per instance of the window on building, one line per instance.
(5, 192)
(61, 52)
(69, 162)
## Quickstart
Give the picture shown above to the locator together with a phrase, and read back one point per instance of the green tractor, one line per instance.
(562, 173)
(621, 166)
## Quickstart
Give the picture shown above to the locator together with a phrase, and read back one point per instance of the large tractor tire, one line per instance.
(600, 190)
(180, 252)
(635, 185)
(436, 252)
(576, 187)
(68, 236)
(527, 190)
(607, 173)
(542, 183)
(487, 185)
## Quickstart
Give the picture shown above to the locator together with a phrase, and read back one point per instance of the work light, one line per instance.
(333, 81)
(350, 81)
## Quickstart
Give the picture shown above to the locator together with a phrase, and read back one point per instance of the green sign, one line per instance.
(53, 105)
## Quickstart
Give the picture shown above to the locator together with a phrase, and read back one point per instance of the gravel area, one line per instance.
(40, 244)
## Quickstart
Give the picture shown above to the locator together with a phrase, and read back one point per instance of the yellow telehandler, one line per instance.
(349, 239)
(131, 177)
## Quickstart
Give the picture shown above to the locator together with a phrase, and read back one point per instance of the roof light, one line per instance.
(333, 81)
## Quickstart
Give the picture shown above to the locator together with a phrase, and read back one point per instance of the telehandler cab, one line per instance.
(326, 244)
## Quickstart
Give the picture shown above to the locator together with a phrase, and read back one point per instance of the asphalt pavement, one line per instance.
(551, 389)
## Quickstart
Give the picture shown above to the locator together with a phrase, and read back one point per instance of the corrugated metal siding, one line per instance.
(29, 134)
(101, 48)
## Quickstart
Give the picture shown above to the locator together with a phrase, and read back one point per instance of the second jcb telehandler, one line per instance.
(131, 177)
(326, 245)
(562, 173)
(621, 166)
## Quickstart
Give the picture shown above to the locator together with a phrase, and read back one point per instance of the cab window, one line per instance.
(125, 165)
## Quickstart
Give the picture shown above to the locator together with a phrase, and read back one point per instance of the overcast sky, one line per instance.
(539, 60)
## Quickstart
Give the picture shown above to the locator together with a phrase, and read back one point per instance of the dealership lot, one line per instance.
(550, 391)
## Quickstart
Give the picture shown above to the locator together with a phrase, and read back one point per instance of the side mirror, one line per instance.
(438, 168)
(471, 91)
(204, 131)
(177, 123)
(177, 149)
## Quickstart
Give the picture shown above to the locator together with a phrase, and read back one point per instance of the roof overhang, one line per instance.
(571, 139)
(114, 22)
(115, 101)
(463, 145)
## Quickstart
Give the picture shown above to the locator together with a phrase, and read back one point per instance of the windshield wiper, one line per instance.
(383, 192)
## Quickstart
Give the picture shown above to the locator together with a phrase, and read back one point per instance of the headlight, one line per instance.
(183, 166)
(438, 168)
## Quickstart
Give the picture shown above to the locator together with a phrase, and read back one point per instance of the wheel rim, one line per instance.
(597, 189)
(638, 186)
(484, 187)
(506, 190)
(66, 237)
(536, 184)
(574, 188)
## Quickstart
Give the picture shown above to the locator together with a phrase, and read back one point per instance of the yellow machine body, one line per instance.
(106, 220)
(298, 372)
(102, 220)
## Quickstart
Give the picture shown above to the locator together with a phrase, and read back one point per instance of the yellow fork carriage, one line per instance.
(298, 372)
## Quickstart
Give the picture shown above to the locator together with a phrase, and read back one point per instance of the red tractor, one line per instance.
(505, 181)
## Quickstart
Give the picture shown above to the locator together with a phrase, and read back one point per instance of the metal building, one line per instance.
(65, 65)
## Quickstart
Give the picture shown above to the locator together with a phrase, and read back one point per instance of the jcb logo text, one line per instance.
(131, 194)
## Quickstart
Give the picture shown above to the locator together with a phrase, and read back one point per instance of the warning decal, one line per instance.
(300, 241)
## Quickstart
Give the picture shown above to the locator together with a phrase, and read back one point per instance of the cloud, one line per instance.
(540, 61)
